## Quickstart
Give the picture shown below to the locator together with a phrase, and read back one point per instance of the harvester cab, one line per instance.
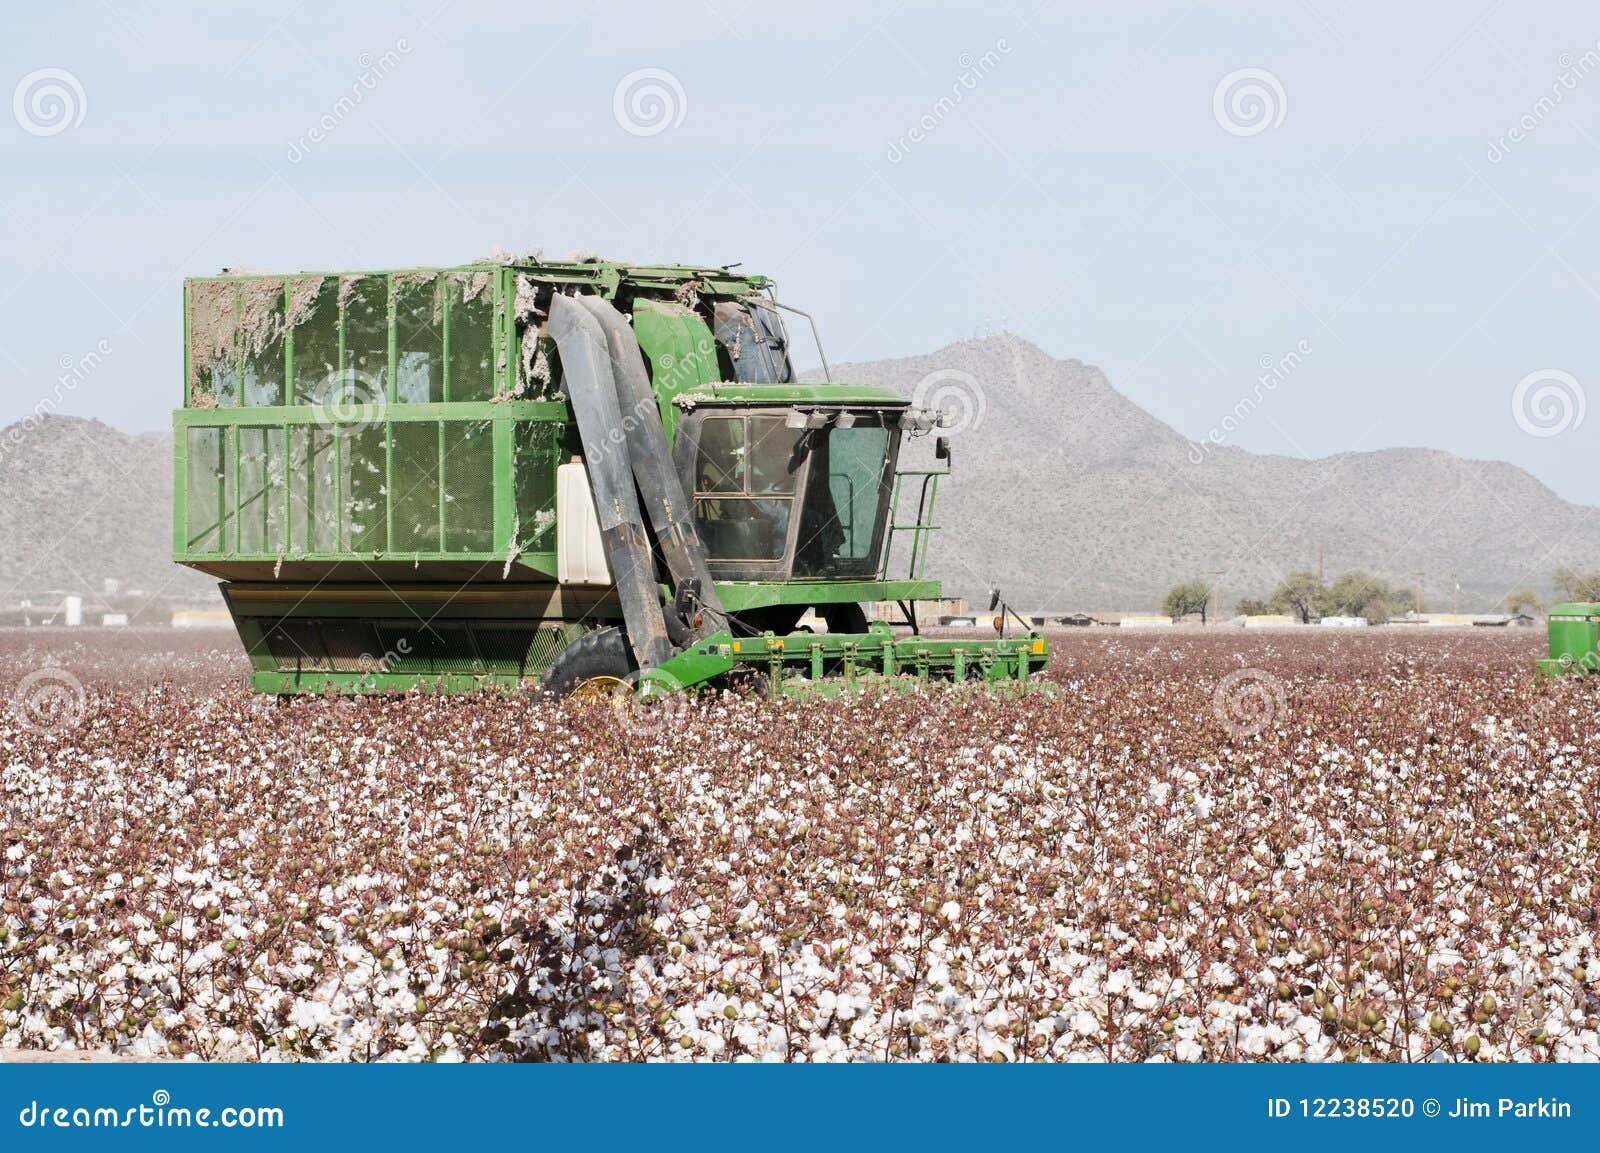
(579, 474)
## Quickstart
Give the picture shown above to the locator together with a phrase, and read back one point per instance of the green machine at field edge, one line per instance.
(1574, 640)
(583, 475)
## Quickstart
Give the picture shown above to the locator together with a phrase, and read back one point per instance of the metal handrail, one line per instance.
(920, 528)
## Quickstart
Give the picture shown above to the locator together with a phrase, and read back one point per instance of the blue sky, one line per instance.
(913, 174)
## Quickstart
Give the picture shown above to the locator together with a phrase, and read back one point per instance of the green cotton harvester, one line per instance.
(1574, 640)
(581, 475)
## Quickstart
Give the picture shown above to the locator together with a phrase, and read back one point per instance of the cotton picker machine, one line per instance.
(581, 475)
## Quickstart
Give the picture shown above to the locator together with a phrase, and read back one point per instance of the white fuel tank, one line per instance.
(580, 553)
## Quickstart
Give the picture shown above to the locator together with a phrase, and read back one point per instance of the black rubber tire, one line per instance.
(602, 653)
(845, 618)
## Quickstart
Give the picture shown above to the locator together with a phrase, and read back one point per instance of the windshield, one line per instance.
(745, 480)
(759, 483)
(845, 494)
(752, 345)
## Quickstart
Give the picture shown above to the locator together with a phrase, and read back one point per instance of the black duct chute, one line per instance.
(667, 509)
(591, 389)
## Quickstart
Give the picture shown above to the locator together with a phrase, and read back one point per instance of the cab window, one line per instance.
(745, 474)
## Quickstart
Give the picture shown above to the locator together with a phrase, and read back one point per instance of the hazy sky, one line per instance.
(1402, 195)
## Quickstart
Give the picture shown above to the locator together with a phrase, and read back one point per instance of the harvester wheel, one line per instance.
(597, 663)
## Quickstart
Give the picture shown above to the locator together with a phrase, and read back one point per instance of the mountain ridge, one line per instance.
(1051, 442)
(1066, 495)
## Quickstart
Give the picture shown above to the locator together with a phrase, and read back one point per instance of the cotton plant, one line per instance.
(1390, 857)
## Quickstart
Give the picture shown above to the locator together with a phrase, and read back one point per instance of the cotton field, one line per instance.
(1201, 847)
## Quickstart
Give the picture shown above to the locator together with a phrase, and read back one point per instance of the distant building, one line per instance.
(1442, 620)
(1502, 620)
(202, 619)
(1145, 622)
(928, 612)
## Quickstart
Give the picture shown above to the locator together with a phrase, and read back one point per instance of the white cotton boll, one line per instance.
(950, 911)
(993, 1048)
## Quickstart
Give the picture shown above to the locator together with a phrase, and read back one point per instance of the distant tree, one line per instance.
(1577, 586)
(1189, 597)
(1404, 600)
(1251, 607)
(1524, 601)
(1301, 594)
(1359, 594)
